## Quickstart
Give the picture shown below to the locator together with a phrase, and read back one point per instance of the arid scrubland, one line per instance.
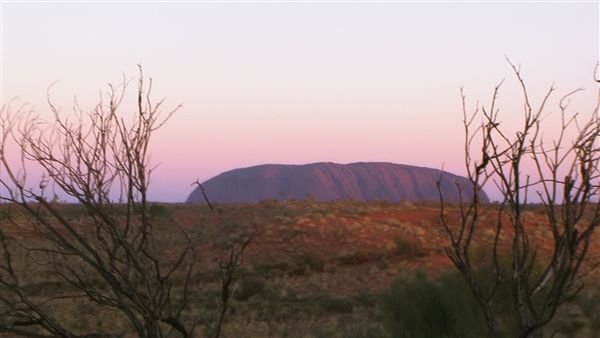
(313, 269)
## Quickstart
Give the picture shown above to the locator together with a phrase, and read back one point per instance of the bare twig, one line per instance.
(566, 183)
(109, 254)
(201, 187)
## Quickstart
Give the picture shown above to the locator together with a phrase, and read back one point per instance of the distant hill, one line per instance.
(373, 181)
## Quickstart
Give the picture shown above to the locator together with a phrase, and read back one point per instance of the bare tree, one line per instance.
(227, 275)
(110, 255)
(565, 180)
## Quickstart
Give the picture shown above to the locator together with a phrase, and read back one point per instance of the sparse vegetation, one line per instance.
(339, 300)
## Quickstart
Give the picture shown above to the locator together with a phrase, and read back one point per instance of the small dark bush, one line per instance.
(355, 257)
(248, 287)
(4, 213)
(365, 298)
(272, 270)
(315, 263)
(335, 304)
(409, 247)
(158, 210)
(297, 270)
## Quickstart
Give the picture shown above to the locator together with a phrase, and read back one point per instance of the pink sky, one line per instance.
(300, 82)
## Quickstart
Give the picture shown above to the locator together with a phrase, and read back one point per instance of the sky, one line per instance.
(300, 82)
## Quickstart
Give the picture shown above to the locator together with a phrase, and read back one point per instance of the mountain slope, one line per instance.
(371, 181)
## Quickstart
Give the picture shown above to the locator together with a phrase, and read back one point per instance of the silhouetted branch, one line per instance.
(227, 270)
(110, 254)
(567, 172)
(201, 187)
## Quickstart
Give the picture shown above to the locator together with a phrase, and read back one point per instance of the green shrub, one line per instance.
(417, 307)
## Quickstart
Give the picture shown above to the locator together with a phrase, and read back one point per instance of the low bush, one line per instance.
(417, 307)
(356, 257)
(314, 262)
(366, 298)
(158, 210)
(272, 270)
(408, 247)
(335, 304)
(250, 286)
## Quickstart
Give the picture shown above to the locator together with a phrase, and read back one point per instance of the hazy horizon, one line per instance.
(297, 83)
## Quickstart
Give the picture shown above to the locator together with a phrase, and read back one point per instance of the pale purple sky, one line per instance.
(300, 82)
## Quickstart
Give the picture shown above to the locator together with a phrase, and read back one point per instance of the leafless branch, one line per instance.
(565, 182)
(109, 254)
